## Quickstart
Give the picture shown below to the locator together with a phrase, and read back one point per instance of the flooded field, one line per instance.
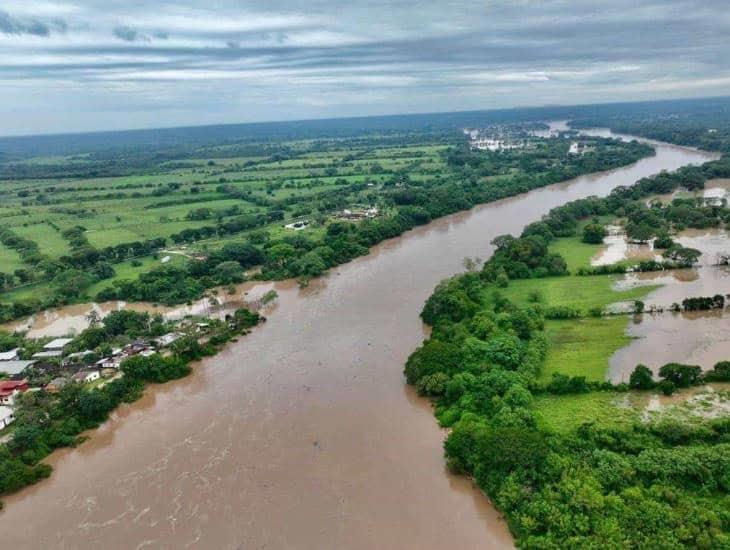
(698, 338)
(70, 320)
(707, 401)
(302, 434)
(616, 248)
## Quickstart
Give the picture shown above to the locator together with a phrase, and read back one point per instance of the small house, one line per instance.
(11, 355)
(167, 339)
(58, 344)
(136, 347)
(85, 376)
(6, 416)
(108, 363)
(14, 368)
(9, 389)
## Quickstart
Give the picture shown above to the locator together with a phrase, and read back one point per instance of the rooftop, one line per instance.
(14, 367)
(9, 355)
(47, 353)
(12, 384)
(58, 343)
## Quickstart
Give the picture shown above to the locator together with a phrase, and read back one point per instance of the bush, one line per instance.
(682, 376)
(642, 378)
(719, 373)
(667, 387)
(561, 312)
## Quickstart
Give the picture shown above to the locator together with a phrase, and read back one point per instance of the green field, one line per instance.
(78, 221)
(563, 413)
(9, 259)
(575, 252)
(583, 293)
(48, 238)
(583, 347)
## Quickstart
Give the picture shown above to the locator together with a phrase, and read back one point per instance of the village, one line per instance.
(60, 362)
(354, 213)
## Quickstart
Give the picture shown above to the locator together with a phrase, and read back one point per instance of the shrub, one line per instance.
(642, 378)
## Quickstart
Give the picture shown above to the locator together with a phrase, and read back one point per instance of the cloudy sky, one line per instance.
(73, 65)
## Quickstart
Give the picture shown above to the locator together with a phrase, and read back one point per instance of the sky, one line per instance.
(78, 65)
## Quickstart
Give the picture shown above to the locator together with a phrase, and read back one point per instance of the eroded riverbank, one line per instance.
(303, 434)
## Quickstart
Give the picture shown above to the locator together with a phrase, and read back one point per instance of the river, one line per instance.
(302, 434)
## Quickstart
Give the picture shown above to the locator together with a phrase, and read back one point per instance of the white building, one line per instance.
(108, 363)
(12, 355)
(57, 344)
(6, 416)
(86, 376)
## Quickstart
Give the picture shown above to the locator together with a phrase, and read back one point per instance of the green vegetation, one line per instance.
(574, 251)
(94, 226)
(582, 347)
(516, 364)
(566, 413)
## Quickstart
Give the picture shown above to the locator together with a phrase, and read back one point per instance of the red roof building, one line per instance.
(10, 388)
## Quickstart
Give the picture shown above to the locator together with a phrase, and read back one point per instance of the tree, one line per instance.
(642, 378)
(720, 372)
(93, 318)
(72, 282)
(245, 318)
(593, 233)
(680, 375)
(639, 232)
(280, 253)
(683, 256)
(229, 272)
(310, 265)
(244, 253)
(663, 241)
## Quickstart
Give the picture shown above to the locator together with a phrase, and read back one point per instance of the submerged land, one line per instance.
(534, 346)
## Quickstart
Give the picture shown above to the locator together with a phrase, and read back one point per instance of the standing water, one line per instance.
(303, 434)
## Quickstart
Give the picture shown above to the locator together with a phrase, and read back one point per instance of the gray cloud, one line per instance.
(273, 59)
(30, 26)
(129, 34)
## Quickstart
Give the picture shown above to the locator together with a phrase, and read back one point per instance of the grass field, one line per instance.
(563, 413)
(575, 252)
(49, 239)
(578, 347)
(583, 293)
(583, 347)
(9, 259)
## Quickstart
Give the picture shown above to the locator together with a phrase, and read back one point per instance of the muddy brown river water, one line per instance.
(697, 338)
(303, 434)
